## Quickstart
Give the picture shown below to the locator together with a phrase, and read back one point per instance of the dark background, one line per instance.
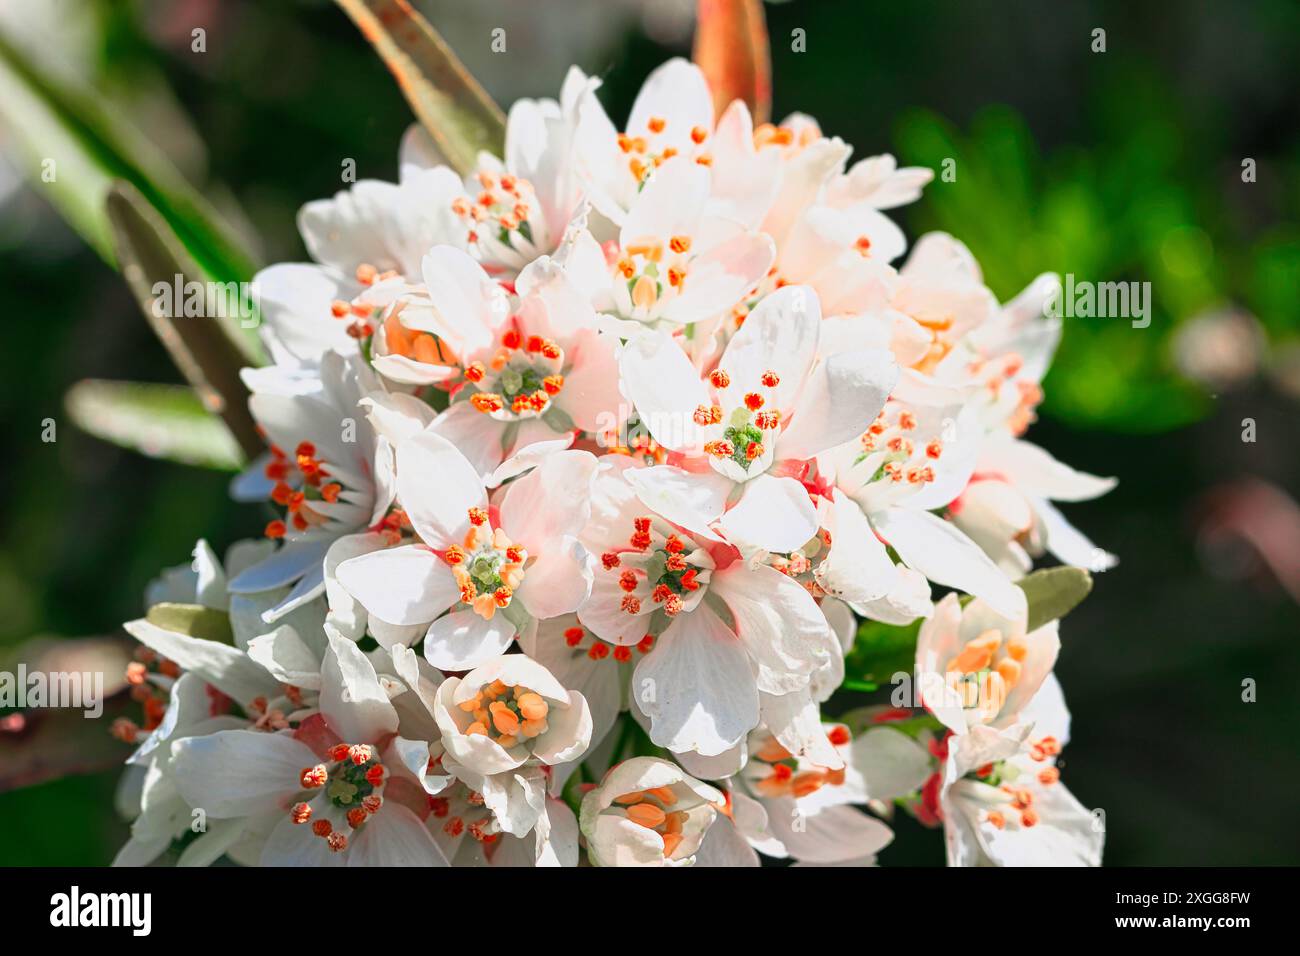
(1122, 165)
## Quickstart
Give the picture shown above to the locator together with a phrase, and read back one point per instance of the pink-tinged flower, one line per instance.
(331, 792)
(829, 232)
(1002, 799)
(916, 456)
(976, 667)
(495, 568)
(672, 117)
(524, 371)
(468, 834)
(647, 812)
(675, 262)
(879, 182)
(1007, 507)
(517, 209)
(741, 431)
(504, 725)
(788, 806)
(701, 683)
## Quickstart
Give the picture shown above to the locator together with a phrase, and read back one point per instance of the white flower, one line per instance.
(326, 469)
(647, 812)
(498, 569)
(700, 685)
(671, 117)
(504, 724)
(324, 788)
(1003, 802)
(580, 660)
(789, 806)
(521, 371)
(675, 262)
(744, 429)
(368, 241)
(1007, 507)
(517, 209)
(979, 668)
(916, 456)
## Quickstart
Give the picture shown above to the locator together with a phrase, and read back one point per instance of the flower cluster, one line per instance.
(583, 471)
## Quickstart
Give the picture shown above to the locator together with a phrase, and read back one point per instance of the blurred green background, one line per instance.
(1114, 166)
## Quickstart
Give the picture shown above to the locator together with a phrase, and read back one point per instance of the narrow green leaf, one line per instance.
(1054, 593)
(202, 349)
(75, 144)
(448, 101)
(161, 421)
(193, 620)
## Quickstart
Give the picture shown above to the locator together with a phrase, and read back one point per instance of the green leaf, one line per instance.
(192, 620)
(201, 347)
(76, 144)
(448, 101)
(1054, 593)
(879, 652)
(161, 421)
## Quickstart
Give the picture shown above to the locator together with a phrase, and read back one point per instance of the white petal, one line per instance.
(778, 623)
(1067, 543)
(551, 501)
(670, 204)
(842, 397)
(558, 582)
(1040, 475)
(345, 612)
(780, 336)
(905, 602)
(724, 845)
(354, 704)
(282, 568)
(568, 733)
(856, 567)
(678, 93)
(394, 837)
(463, 297)
(235, 773)
(463, 640)
(833, 835)
(665, 388)
(774, 514)
(437, 487)
(224, 667)
(294, 844)
(946, 556)
(289, 660)
(697, 686)
(693, 500)
(294, 300)
(795, 721)
(475, 435)
(396, 416)
(891, 763)
(720, 276)
(406, 585)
